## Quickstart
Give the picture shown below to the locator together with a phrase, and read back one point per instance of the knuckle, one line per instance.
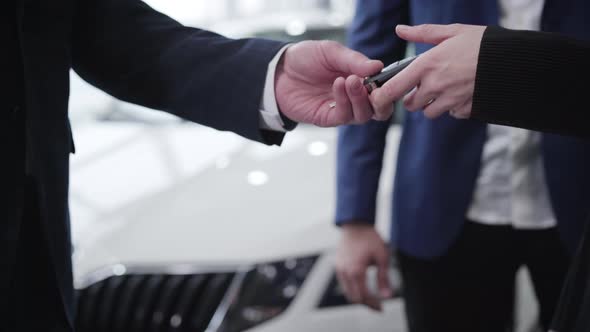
(412, 106)
(383, 116)
(428, 29)
(387, 110)
(331, 44)
(377, 107)
(465, 111)
(376, 104)
(431, 62)
(456, 27)
(409, 99)
(430, 113)
(433, 87)
(378, 116)
(391, 90)
(409, 104)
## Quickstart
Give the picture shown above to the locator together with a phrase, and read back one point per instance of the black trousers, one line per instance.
(33, 302)
(472, 287)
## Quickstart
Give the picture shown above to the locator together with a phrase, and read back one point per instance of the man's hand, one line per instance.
(320, 82)
(360, 247)
(443, 78)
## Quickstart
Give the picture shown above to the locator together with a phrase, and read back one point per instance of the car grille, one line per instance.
(151, 303)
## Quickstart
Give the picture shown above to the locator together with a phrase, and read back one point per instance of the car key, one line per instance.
(376, 81)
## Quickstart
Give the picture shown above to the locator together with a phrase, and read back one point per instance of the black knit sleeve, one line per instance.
(533, 80)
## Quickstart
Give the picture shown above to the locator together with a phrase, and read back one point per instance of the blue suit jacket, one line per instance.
(439, 160)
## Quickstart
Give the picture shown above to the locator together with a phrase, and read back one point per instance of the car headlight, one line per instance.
(264, 293)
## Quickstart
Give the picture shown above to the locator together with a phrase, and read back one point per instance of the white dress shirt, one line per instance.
(511, 188)
(269, 110)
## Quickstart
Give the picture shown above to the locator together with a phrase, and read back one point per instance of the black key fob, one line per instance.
(376, 81)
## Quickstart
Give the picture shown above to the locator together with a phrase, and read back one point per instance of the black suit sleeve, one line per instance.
(533, 80)
(139, 55)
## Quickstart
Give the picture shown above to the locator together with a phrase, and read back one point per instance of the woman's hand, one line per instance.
(441, 79)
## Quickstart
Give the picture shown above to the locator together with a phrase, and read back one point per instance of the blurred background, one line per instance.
(178, 227)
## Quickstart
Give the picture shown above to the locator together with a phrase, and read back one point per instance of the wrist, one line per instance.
(357, 225)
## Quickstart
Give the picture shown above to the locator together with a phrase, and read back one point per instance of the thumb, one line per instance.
(345, 60)
(383, 275)
(428, 33)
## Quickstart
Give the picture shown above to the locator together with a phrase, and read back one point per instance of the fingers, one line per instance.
(418, 98)
(351, 290)
(345, 60)
(343, 112)
(343, 282)
(373, 302)
(438, 107)
(352, 102)
(385, 290)
(359, 98)
(435, 104)
(355, 288)
(462, 111)
(358, 280)
(429, 33)
(360, 247)
(353, 282)
(397, 87)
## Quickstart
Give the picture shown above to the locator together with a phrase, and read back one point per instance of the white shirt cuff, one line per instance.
(270, 119)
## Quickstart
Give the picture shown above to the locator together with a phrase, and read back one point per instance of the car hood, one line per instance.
(179, 193)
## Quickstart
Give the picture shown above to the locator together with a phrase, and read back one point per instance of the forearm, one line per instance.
(141, 56)
(533, 80)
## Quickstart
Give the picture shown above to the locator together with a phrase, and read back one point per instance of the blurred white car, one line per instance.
(195, 230)
(178, 227)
